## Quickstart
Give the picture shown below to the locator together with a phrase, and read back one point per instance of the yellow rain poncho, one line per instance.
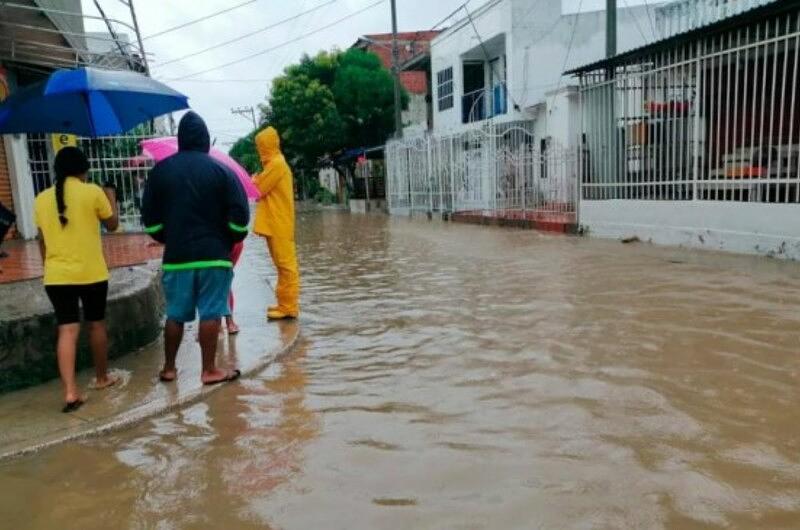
(274, 220)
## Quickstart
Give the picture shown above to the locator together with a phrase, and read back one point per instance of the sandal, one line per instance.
(72, 406)
(232, 376)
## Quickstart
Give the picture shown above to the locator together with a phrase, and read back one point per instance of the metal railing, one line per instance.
(499, 170)
(713, 120)
(483, 104)
(115, 160)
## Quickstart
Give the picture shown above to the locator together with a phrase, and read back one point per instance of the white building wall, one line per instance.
(415, 117)
(491, 20)
(537, 38)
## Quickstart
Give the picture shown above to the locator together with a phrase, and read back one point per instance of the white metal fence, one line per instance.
(116, 160)
(715, 119)
(499, 170)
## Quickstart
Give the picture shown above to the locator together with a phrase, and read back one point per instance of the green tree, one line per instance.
(364, 93)
(304, 113)
(322, 105)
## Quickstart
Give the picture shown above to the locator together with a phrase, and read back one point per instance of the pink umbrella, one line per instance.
(160, 148)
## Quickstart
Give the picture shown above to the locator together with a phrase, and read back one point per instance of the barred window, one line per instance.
(444, 88)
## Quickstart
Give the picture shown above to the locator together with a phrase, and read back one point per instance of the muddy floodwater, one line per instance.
(461, 377)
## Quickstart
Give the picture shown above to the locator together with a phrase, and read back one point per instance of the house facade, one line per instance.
(694, 140)
(504, 61)
(37, 37)
(506, 121)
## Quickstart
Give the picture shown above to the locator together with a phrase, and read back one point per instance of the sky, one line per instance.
(213, 94)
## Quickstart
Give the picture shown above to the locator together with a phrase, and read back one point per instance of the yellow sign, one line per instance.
(61, 141)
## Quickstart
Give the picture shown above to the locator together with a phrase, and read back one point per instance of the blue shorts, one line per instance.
(203, 291)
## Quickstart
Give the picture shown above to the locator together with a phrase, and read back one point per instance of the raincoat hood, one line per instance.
(268, 144)
(193, 134)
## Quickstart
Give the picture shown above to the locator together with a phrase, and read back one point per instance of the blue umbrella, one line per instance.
(88, 102)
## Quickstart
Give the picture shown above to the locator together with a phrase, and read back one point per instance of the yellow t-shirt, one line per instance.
(74, 253)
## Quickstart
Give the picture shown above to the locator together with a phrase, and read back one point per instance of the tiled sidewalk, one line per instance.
(123, 250)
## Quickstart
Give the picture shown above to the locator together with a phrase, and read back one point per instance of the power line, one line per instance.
(250, 34)
(488, 58)
(281, 45)
(636, 21)
(650, 18)
(201, 19)
(569, 50)
(261, 80)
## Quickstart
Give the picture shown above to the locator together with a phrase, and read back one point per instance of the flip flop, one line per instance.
(72, 406)
(232, 376)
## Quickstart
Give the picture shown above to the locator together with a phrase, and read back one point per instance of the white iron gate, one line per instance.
(117, 160)
(500, 170)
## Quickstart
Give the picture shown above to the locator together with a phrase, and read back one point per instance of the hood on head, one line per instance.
(193, 134)
(268, 144)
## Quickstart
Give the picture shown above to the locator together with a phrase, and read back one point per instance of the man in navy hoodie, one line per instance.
(198, 209)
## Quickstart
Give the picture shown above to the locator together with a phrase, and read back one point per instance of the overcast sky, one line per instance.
(213, 100)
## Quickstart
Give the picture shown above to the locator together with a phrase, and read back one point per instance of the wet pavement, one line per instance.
(460, 377)
(31, 419)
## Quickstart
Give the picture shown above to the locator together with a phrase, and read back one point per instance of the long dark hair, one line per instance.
(70, 162)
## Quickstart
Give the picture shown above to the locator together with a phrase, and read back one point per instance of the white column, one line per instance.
(21, 183)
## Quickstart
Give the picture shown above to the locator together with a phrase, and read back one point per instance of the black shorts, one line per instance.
(65, 302)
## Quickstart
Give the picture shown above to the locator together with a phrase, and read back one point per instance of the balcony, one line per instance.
(483, 104)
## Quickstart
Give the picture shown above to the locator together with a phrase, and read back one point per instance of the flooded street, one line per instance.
(460, 377)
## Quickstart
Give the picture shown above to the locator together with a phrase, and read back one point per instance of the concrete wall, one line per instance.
(751, 228)
(28, 326)
(415, 117)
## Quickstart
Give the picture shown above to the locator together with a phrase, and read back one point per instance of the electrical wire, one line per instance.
(488, 58)
(281, 45)
(201, 19)
(650, 18)
(249, 34)
(569, 50)
(636, 21)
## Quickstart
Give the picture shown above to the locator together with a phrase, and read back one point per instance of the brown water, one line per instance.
(461, 377)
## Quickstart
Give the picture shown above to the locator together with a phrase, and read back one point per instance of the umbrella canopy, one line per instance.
(160, 148)
(88, 102)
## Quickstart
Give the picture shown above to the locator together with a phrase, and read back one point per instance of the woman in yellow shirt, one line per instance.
(75, 272)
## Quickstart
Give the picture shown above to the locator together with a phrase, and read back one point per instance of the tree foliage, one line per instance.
(323, 104)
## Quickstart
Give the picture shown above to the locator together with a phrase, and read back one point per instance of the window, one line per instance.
(444, 88)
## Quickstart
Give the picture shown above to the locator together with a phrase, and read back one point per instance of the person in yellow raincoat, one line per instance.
(274, 220)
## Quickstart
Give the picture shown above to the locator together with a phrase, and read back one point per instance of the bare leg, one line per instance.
(98, 341)
(66, 351)
(209, 333)
(173, 335)
(233, 328)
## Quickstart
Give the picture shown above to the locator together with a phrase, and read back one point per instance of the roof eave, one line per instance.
(721, 26)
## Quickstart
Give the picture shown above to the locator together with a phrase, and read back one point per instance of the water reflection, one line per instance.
(462, 377)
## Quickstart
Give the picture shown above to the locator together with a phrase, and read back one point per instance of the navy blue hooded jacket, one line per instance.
(193, 204)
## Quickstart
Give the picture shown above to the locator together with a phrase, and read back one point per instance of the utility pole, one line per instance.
(247, 112)
(614, 161)
(611, 28)
(398, 117)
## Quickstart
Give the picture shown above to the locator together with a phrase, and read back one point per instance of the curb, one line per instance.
(149, 410)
